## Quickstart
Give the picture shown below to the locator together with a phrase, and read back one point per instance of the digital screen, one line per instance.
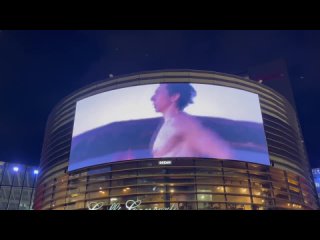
(168, 120)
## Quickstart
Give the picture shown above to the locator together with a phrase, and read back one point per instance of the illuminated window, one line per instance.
(238, 199)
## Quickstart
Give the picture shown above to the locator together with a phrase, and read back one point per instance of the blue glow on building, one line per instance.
(316, 176)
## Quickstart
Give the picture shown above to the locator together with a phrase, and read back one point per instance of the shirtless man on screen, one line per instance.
(182, 135)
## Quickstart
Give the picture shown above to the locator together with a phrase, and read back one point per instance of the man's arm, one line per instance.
(209, 144)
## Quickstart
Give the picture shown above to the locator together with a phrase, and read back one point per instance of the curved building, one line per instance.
(283, 180)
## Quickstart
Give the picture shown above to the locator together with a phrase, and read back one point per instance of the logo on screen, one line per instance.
(165, 162)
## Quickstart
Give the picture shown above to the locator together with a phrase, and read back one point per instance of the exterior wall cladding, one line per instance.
(187, 183)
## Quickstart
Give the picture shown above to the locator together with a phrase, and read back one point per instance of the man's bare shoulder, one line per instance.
(187, 122)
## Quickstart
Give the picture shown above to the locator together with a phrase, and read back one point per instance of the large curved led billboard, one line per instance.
(168, 120)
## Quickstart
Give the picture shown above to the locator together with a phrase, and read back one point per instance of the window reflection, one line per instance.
(235, 206)
(231, 198)
(211, 206)
(182, 197)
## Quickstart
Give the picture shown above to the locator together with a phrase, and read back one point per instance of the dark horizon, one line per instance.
(39, 68)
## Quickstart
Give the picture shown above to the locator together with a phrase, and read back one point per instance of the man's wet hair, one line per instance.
(186, 92)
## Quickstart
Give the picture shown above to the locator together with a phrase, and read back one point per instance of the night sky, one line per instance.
(38, 68)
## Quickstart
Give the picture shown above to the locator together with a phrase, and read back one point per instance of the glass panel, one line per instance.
(125, 182)
(71, 206)
(8, 176)
(122, 166)
(175, 180)
(283, 204)
(151, 198)
(258, 168)
(210, 189)
(4, 197)
(183, 162)
(279, 190)
(263, 192)
(97, 186)
(124, 174)
(218, 198)
(75, 197)
(293, 181)
(144, 164)
(122, 191)
(25, 199)
(236, 174)
(236, 181)
(100, 178)
(14, 199)
(59, 202)
(29, 178)
(154, 206)
(234, 206)
(209, 171)
(186, 206)
(238, 199)
(211, 206)
(182, 197)
(32, 199)
(76, 194)
(176, 188)
(151, 171)
(154, 188)
(2, 165)
(210, 180)
(208, 162)
(19, 176)
(99, 171)
(259, 200)
(261, 176)
(97, 195)
(204, 197)
(186, 171)
(233, 164)
(277, 176)
(237, 190)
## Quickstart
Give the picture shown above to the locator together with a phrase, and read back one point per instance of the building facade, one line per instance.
(17, 186)
(186, 183)
(316, 176)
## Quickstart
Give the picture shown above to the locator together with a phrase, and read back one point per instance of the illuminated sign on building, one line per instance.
(165, 162)
(129, 205)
